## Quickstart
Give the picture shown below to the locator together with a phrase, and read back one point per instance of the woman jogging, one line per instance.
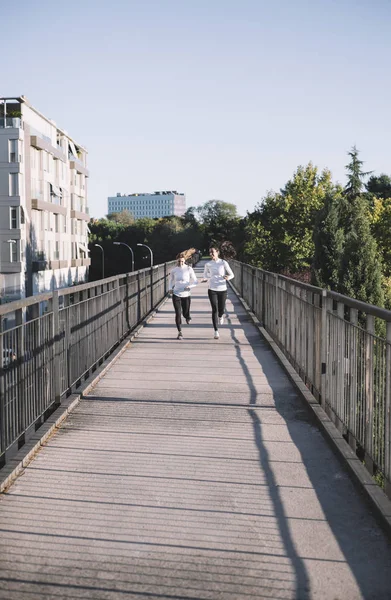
(182, 278)
(218, 272)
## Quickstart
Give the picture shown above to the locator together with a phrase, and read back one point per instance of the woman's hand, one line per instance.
(187, 289)
(203, 280)
(226, 276)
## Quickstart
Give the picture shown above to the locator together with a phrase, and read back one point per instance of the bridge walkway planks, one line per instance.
(191, 471)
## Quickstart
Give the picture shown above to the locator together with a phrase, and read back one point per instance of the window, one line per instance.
(13, 251)
(14, 217)
(13, 184)
(57, 251)
(22, 219)
(56, 223)
(13, 150)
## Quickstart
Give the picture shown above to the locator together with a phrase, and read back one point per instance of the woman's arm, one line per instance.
(206, 273)
(193, 281)
(172, 281)
(229, 272)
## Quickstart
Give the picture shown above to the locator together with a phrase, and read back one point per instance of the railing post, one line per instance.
(387, 414)
(263, 309)
(323, 350)
(370, 330)
(118, 303)
(165, 279)
(241, 280)
(352, 414)
(56, 348)
(152, 305)
(127, 307)
(252, 290)
(138, 298)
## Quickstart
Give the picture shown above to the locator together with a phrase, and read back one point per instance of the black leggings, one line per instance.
(217, 302)
(181, 305)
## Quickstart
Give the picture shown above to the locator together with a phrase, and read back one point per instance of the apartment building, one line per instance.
(43, 203)
(158, 204)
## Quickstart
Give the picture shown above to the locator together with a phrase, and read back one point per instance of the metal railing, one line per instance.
(59, 339)
(340, 347)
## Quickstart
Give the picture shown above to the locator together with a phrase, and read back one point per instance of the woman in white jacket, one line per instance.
(182, 279)
(218, 272)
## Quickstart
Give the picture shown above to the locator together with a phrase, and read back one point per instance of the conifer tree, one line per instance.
(356, 175)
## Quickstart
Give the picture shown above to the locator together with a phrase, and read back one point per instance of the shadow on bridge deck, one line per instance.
(192, 471)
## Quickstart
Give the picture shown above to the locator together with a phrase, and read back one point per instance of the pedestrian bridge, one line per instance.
(191, 469)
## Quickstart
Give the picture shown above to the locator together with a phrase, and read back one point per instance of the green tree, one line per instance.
(279, 231)
(346, 257)
(381, 229)
(329, 240)
(360, 269)
(379, 186)
(218, 221)
(124, 217)
(356, 175)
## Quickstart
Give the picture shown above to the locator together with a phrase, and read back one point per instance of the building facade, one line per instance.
(43, 204)
(158, 204)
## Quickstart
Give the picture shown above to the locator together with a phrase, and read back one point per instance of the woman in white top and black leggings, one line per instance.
(218, 272)
(182, 278)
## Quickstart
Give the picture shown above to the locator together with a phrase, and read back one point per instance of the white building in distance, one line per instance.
(43, 203)
(158, 204)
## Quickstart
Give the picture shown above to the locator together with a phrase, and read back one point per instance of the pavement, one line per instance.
(192, 470)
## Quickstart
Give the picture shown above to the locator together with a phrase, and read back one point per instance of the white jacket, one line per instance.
(180, 278)
(215, 271)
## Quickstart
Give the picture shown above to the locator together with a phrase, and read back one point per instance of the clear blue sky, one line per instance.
(219, 99)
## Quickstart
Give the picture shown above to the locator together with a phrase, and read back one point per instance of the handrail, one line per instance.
(340, 347)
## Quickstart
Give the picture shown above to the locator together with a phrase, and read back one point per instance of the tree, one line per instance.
(381, 229)
(124, 217)
(360, 269)
(346, 257)
(329, 240)
(219, 221)
(356, 175)
(279, 231)
(379, 186)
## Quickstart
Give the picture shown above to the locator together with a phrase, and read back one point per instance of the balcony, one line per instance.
(45, 144)
(10, 123)
(84, 216)
(38, 204)
(11, 267)
(80, 262)
(78, 165)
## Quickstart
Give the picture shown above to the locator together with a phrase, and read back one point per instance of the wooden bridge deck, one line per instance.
(192, 471)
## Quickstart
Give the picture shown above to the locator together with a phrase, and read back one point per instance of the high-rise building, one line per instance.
(158, 204)
(43, 203)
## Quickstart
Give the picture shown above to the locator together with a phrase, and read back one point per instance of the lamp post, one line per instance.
(103, 259)
(123, 244)
(145, 246)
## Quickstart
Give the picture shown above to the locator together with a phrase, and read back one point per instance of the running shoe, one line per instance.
(188, 321)
(221, 320)
(216, 336)
(180, 336)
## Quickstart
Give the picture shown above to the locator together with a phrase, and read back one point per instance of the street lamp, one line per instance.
(123, 244)
(103, 259)
(145, 246)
